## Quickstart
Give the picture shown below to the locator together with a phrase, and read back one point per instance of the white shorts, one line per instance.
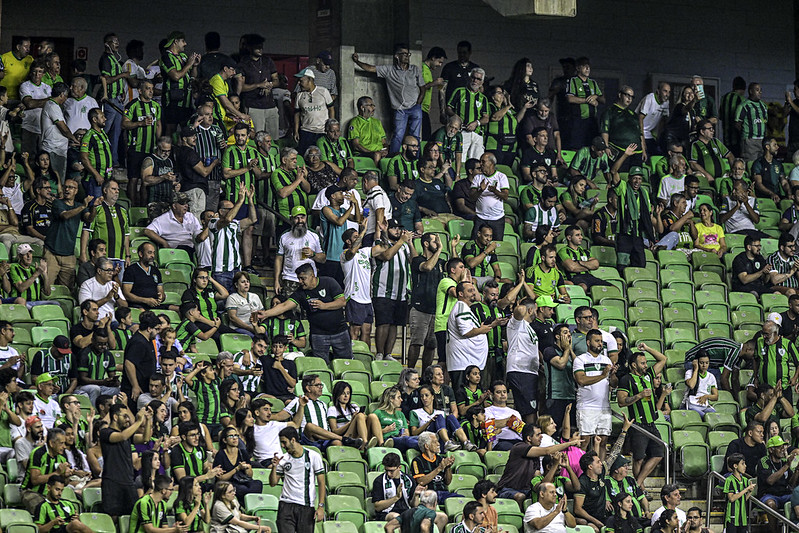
(594, 421)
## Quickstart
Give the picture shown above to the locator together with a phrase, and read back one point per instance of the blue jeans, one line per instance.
(340, 342)
(450, 423)
(403, 444)
(225, 279)
(113, 128)
(405, 119)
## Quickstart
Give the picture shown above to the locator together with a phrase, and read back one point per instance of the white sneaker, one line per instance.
(469, 446)
(451, 446)
(389, 357)
(379, 357)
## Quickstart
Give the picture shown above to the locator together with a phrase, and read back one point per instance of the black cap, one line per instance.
(330, 191)
(394, 223)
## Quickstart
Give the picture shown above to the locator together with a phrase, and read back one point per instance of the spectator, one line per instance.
(674, 181)
(405, 165)
(33, 438)
(489, 309)
(618, 483)
(333, 148)
(727, 109)
(750, 445)
(449, 141)
(523, 363)
(294, 511)
(297, 247)
(750, 119)
(594, 374)
(431, 469)
(259, 77)
(635, 222)
(356, 262)
(577, 261)
(578, 208)
(460, 197)
(750, 270)
(738, 489)
(620, 127)
(471, 105)
(670, 496)
(768, 173)
(535, 156)
(59, 244)
(145, 278)
(142, 121)
(393, 491)
(192, 507)
(791, 215)
(97, 368)
(42, 169)
(707, 152)
(548, 514)
(542, 117)
(584, 97)
(701, 385)
(224, 230)
(708, 236)
(34, 95)
(16, 64)
(313, 107)
(178, 68)
(489, 190)
(103, 289)
(404, 82)
(78, 105)
(652, 110)
(177, 228)
(546, 213)
(95, 154)
(785, 265)
(321, 174)
(54, 361)
(159, 179)
(346, 419)
(503, 122)
(108, 221)
(56, 136)
(392, 421)
(193, 170)
(740, 213)
(421, 518)
(140, 359)
(623, 518)
(29, 281)
(426, 273)
(45, 462)
(561, 390)
(291, 186)
(473, 517)
(682, 122)
(405, 208)
(366, 133)
(546, 278)
(501, 414)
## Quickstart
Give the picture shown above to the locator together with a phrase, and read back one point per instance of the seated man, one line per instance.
(740, 214)
(56, 515)
(97, 368)
(56, 361)
(393, 491)
(480, 255)
(366, 133)
(750, 270)
(604, 225)
(279, 374)
(420, 519)
(548, 212)
(45, 462)
(708, 152)
(96, 248)
(785, 265)
(591, 161)
(539, 155)
(102, 288)
(546, 278)
(28, 280)
(142, 284)
(768, 173)
(177, 228)
(674, 181)
(577, 261)
(460, 197)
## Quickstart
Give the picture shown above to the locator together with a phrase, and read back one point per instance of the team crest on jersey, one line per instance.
(342, 153)
(307, 466)
(322, 293)
(478, 104)
(781, 351)
(198, 454)
(287, 467)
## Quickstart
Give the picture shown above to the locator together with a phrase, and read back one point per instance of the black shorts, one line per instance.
(176, 115)
(642, 446)
(295, 517)
(524, 387)
(390, 312)
(135, 159)
(359, 314)
(118, 499)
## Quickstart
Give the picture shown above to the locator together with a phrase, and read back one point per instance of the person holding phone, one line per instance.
(55, 515)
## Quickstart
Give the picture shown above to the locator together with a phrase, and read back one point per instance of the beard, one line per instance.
(299, 230)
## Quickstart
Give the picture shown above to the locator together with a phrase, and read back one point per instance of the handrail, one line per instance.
(785, 522)
(657, 438)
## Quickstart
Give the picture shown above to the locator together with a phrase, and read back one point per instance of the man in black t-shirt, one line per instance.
(394, 491)
(323, 301)
(589, 503)
(790, 319)
(279, 374)
(539, 154)
(460, 197)
(145, 278)
(119, 491)
(750, 270)
(193, 171)
(427, 270)
(140, 359)
(750, 445)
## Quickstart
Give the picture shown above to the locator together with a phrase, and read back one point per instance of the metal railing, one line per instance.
(668, 459)
(785, 523)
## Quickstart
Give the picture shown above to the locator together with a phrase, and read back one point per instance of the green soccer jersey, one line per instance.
(337, 152)
(122, 337)
(186, 333)
(209, 403)
(191, 461)
(111, 225)
(589, 166)
(96, 144)
(402, 168)
(110, 66)
(451, 147)
(545, 283)
(206, 301)
(710, 156)
(444, 303)
(582, 88)
(622, 126)
(368, 131)
(236, 158)
(643, 411)
(735, 512)
(45, 463)
(142, 138)
(485, 313)
(176, 93)
(470, 106)
(397, 418)
(275, 326)
(146, 511)
(530, 196)
(753, 117)
(18, 274)
(501, 134)
(774, 362)
(47, 511)
(573, 254)
(727, 108)
(631, 487)
(560, 382)
(283, 178)
(485, 268)
(96, 365)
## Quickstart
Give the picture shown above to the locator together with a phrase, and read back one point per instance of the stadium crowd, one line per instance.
(567, 267)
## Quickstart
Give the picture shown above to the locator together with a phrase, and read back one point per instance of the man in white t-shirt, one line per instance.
(490, 190)
(467, 342)
(78, 105)
(378, 204)
(356, 262)
(265, 431)
(33, 93)
(45, 406)
(102, 288)
(56, 136)
(297, 246)
(653, 108)
(670, 496)
(499, 412)
(523, 359)
(674, 181)
(706, 388)
(8, 354)
(548, 515)
(594, 374)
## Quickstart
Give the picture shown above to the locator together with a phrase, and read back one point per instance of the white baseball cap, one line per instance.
(775, 317)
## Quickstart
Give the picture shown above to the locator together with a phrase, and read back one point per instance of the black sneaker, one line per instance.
(353, 443)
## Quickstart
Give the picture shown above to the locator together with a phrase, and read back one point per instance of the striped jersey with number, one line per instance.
(225, 256)
(390, 278)
(315, 412)
(111, 225)
(469, 105)
(142, 140)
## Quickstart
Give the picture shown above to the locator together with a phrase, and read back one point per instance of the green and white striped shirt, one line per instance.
(225, 256)
(538, 216)
(390, 278)
(250, 384)
(315, 412)
(753, 117)
(783, 266)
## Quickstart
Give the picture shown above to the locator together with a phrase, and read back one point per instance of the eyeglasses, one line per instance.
(317, 385)
(191, 435)
(628, 95)
(708, 128)
(106, 269)
(73, 402)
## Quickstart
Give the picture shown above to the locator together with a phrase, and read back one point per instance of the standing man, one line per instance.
(523, 360)
(296, 246)
(636, 392)
(290, 187)
(378, 203)
(260, 75)
(224, 109)
(302, 501)
(750, 119)
(178, 69)
(435, 58)
(727, 108)
(561, 389)
(109, 222)
(455, 75)
(112, 95)
(768, 173)
(620, 127)
(653, 112)
(95, 154)
(584, 96)
(594, 374)
(356, 262)
(403, 82)
(56, 137)
(193, 171)
(490, 191)
(140, 359)
(635, 219)
(312, 108)
(59, 245)
(211, 143)
(34, 94)
(142, 121)
(16, 64)
(471, 105)
(427, 270)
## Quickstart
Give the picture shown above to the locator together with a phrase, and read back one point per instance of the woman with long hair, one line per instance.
(428, 418)
(346, 419)
(192, 507)
(242, 304)
(443, 394)
(160, 419)
(579, 208)
(232, 399)
(523, 90)
(708, 235)
(150, 465)
(226, 515)
(392, 422)
(244, 424)
(188, 413)
(503, 119)
(209, 294)
(94, 456)
(625, 353)
(471, 395)
(42, 169)
(235, 463)
(682, 122)
(668, 522)
(444, 171)
(622, 520)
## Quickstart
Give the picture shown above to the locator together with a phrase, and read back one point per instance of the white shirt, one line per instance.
(290, 247)
(31, 120)
(48, 411)
(267, 442)
(7, 353)
(596, 396)
(15, 196)
(494, 412)
(295, 471)
(704, 386)
(358, 275)
(52, 138)
(522, 347)
(681, 516)
(462, 351)
(312, 107)
(557, 525)
(375, 199)
(489, 206)
(321, 201)
(91, 289)
(670, 185)
(76, 112)
(175, 233)
(652, 112)
(244, 306)
(740, 220)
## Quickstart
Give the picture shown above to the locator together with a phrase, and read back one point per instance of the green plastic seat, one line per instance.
(92, 498)
(565, 313)
(600, 292)
(467, 463)
(743, 317)
(340, 366)
(675, 273)
(605, 254)
(376, 388)
(638, 314)
(677, 314)
(695, 460)
(454, 506)
(312, 365)
(636, 273)
(382, 368)
(739, 299)
(460, 227)
(234, 342)
(707, 261)
(42, 336)
(706, 298)
(14, 516)
(682, 419)
(717, 464)
(253, 502)
(675, 335)
(637, 334)
(98, 522)
(771, 302)
(346, 483)
(460, 481)
(168, 256)
(743, 335)
(672, 257)
(335, 526)
(495, 459)
(41, 313)
(374, 456)
(634, 294)
(15, 313)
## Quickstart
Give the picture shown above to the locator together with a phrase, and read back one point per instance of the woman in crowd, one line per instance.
(235, 463)
(394, 426)
(226, 515)
(244, 424)
(579, 209)
(188, 413)
(443, 394)
(408, 384)
(668, 522)
(427, 418)
(346, 419)
(42, 169)
(622, 520)
(95, 454)
(470, 395)
(192, 507)
(549, 429)
(232, 400)
(208, 294)
(523, 90)
(708, 235)
(321, 174)
(242, 304)
(444, 170)
(682, 121)
(150, 467)
(502, 123)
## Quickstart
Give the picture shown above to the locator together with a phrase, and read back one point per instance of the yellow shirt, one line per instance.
(16, 71)
(709, 237)
(219, 88)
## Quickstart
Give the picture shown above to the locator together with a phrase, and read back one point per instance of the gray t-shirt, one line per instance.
(403, 85)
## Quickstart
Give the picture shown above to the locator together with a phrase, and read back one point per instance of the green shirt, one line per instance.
(427, 76)
(590, 166)
(545, 283)
(631, 487)
(368, 131)
(111, 225)
(146, 511)
(96, 144)
(710, 156)
(773, 362)
(580, 88)
(501, 134)
(444, 302)
(579, 254)
(397, 418)
(735, 512)
(142, 140)
(209, 403)
(338, 152)
(190, 461)
(622, 126)
(403, 169)
(485, 268)
(235, 158)
(469, 105)
(63, 233)
(96, 365)
(45, 463)
(18, 274)
(451, 147)
(560, 383)
(484, 313)
(282, 178)
(643, 411)
(729, 105)
(197, 523)
(753, 117)
(420, 514)
(47, 511)
(110, 66)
